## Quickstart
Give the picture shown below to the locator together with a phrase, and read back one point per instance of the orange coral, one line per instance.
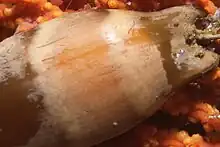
(197, 110)
(26, 13)
(208, 5)
(32, 12)
(150, 136)
(150, 5)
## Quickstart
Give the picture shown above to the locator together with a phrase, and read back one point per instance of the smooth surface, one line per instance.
(93, 75)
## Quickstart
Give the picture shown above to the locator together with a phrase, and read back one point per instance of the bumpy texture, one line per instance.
(26, 14)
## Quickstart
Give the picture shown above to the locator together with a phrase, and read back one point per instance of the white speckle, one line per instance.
(217, 14)
(182, 51)
(1, 130)
(110, 35)
(115, 123)
(129, 3)
(214, 117)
